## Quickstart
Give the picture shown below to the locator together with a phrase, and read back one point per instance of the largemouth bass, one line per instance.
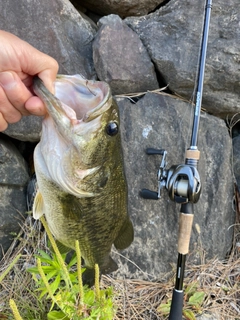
(79, 167)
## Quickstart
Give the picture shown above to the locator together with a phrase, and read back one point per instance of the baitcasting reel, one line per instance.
(182, 181)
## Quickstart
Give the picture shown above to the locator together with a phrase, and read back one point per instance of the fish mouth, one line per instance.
(79, 99)
(86, 97)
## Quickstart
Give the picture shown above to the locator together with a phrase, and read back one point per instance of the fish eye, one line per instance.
(112, 128)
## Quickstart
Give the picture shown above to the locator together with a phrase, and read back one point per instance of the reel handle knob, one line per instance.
(148, 194)
(152, 151)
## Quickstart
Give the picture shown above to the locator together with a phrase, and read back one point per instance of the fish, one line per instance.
(82, 187)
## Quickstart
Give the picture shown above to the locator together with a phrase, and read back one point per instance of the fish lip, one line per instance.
(49, 99)
(44, 94)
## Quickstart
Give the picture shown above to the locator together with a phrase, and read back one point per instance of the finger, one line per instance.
(38, 63)
(15, 91)
(3, 123)
(48, 78)
(8, 112)
(35, 106)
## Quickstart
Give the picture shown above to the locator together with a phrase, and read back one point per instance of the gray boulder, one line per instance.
(161, 121)
(172, 37)
(124, 8)
(27, 129)
(120, 58)
(13, 179)
(56, 28)
(236, 159)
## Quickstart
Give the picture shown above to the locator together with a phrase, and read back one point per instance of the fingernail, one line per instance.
(52, 88)
(7, 80)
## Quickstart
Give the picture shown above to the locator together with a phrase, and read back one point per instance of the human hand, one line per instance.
(19, 63)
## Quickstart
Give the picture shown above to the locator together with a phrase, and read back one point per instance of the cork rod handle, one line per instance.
(184, 232)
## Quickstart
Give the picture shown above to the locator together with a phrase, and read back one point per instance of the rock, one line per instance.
(121, 59)
(172, 37)
(236, 159)
(27, 129)
(124, 8)
(13, 180)
(161, 121)
(56, 28)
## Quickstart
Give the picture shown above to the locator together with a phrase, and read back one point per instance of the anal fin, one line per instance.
(125, 236)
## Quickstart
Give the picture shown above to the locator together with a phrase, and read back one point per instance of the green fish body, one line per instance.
(78, 162)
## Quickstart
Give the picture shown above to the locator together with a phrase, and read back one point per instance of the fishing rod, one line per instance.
(183, 181)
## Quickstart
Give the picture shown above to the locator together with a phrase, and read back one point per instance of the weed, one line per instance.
(61, 284)
(193, 302)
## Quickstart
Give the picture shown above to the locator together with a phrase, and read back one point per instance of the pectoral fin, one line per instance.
(38, 206)
(125, 236)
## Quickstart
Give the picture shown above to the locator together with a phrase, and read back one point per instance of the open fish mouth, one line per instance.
(86, 97)
(80, 100)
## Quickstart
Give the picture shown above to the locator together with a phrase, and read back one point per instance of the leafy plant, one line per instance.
(193, 302)
(61, 283)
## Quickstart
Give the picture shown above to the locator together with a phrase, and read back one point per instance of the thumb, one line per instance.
(48, 77)
(35, 62)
